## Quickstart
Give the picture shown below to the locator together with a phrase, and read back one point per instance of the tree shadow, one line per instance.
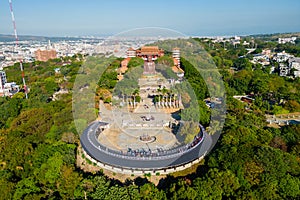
(139, 181)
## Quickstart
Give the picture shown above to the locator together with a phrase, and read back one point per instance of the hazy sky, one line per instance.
(191, 17)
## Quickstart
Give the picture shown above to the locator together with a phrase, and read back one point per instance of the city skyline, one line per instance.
(78, 18)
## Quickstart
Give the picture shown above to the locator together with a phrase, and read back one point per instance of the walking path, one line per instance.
(284, 119)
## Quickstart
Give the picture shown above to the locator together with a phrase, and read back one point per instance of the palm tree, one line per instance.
(134, 94)
(164, 90)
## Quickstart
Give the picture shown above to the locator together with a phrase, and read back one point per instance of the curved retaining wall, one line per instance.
(169, 162)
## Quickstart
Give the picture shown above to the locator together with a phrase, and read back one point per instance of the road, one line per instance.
(111, 157)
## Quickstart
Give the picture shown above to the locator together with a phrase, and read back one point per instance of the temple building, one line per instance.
(149, 54)
(123, 68)
(131, 53)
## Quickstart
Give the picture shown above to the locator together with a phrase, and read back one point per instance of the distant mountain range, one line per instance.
(277, 35)
(10, 38)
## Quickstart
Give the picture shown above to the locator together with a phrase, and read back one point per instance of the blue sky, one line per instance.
(191, 17)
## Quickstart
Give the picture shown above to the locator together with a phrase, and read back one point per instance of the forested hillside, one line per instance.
(38, 138)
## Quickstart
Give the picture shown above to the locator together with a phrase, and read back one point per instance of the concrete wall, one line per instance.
(140, 171)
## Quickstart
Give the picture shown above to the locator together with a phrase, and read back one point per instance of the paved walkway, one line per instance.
(284, 119)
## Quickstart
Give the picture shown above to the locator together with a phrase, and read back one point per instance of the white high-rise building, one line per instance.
(294, 64)
(2, 79)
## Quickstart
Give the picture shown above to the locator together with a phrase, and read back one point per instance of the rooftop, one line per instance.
(150, 50)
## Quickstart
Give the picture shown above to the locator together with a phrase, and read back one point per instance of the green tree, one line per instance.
(68, 182)
(188, 130)
(135, 62)
(25, 187)
(49, 173)
(148, 192)
(289, 187)
(165, 61)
